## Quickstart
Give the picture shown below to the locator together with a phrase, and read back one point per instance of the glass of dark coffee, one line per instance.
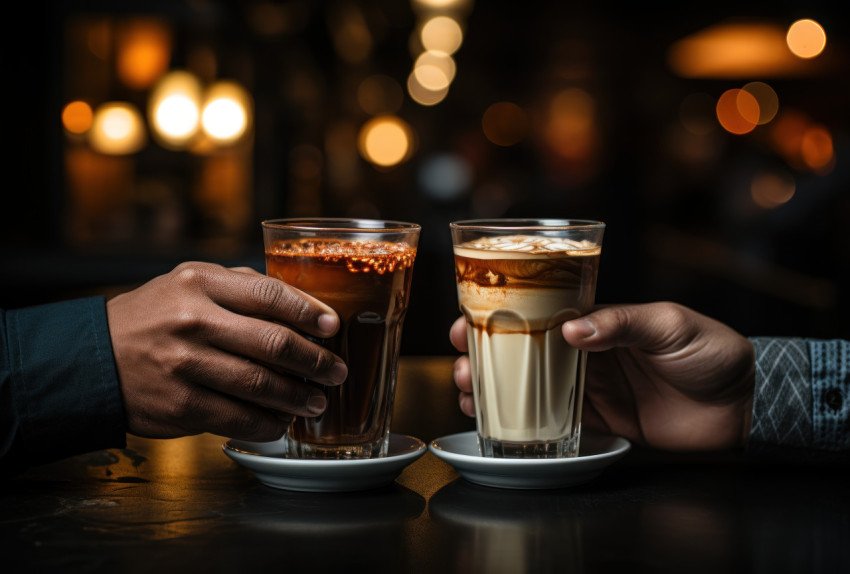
(363, 270)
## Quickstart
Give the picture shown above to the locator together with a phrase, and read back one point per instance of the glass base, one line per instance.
(564, 448)
(296, 449)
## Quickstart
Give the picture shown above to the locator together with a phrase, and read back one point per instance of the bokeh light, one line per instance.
(442, 34)
(143, 52)
(434, 70)
(385, 141)
(445, 176)
(768, 101)
(442, 5)
(737, 111)
(816, 148)
(505, 123)
(571, 127)
(770, 190)
(431, 77)
(174, 109)
(117, 129)
(422, 95)
(734, 50)
(226, 114)
(77, 117)
(806, 38)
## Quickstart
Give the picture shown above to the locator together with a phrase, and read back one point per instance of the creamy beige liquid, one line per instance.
(515, 293)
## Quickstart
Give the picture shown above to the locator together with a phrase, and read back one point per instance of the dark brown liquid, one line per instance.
(368, 285)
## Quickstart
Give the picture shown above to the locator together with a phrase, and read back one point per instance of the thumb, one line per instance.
(650, 327)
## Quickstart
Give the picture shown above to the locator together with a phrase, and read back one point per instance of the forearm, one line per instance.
(58, 385)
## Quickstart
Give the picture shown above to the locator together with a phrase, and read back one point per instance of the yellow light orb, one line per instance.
(442, 34)
(422, 95)
(117, 129)
(174, 109)
(806, 38)
(385, 141)
(77, 117)
(226, 114)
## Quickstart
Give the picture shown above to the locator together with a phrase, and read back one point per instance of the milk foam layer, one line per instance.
(515, 293)
(525, 283)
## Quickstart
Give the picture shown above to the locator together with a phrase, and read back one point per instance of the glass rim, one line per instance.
(341, 224)
(518, 224)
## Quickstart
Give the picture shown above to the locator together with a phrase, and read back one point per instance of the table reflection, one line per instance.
(701, 516)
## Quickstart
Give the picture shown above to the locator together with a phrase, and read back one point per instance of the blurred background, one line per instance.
(712, 140)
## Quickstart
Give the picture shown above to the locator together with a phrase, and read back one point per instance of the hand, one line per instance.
(659, 374)
(209, 349)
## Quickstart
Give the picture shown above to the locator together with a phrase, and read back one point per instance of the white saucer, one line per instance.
(595, 454)
(268, 463)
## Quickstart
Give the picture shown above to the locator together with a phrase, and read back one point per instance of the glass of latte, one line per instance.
(518, 281)
(363, 270)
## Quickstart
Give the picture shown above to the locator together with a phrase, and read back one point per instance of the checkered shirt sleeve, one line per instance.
(801, 402)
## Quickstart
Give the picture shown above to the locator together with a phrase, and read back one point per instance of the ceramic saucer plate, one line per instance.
(595, 454)
(268, 462)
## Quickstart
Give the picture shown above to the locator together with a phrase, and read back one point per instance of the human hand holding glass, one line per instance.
(658, 374)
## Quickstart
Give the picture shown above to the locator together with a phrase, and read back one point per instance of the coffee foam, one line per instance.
(359, 255)
(510, 246)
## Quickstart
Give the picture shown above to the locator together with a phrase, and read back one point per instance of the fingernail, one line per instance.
(328, 323)
(583, 328)
(338, 373)
(316, 404)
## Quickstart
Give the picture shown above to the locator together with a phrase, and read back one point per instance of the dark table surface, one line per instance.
(181, 505)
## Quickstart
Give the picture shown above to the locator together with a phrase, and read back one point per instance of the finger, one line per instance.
(462, 374)
(651, 327)
(256, 384)
(467, 404)
(257, 294)
(246, 270)
(203, 410)
(457, 335)
(275, 346)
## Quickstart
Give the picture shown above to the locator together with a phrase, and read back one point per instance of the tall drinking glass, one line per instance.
(363, 270)
(518, 281)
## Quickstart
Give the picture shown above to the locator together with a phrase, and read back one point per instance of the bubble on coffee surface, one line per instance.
(360, 256)
(532, 244)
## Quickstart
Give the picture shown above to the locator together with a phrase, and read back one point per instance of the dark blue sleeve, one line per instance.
(59, 390)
